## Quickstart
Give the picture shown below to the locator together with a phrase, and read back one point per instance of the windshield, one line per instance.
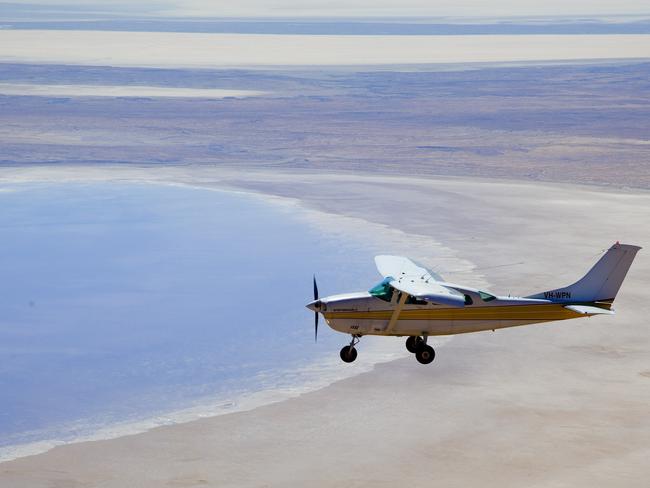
(383, 290)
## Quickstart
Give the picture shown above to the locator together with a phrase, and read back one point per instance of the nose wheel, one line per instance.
(349, 353)
(424, 353)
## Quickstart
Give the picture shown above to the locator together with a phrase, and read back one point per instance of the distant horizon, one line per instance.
(26, 14)
(445, 11)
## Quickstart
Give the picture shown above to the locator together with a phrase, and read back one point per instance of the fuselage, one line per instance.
(416, 302)
(364, 314)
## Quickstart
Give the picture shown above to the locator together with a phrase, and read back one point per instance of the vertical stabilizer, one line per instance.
(602, 282)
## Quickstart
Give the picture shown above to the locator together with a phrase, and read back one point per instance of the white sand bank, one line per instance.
(119, 91)
(247, 50)
(564, 404)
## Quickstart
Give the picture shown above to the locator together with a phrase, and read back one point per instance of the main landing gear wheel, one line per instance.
(425, 354)
(348, 354)
(412, 344)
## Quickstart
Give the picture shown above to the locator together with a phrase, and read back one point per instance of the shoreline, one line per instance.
(239, 403)
(377, 352)
(227, 173)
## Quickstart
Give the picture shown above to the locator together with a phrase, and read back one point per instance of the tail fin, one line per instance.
(602, 282)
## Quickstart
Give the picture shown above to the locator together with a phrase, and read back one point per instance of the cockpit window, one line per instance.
(383, 290)
(486, 297)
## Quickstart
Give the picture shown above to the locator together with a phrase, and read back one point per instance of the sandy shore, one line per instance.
(562, 404)
(165, 49)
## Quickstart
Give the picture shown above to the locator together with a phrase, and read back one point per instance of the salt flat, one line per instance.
(164, 49)
(119, 91)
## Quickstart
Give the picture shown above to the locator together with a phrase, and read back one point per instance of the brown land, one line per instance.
(586, 124)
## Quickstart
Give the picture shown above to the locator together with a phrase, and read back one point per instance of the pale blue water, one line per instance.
(122, 301)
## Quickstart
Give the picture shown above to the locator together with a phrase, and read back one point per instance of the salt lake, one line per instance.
(136, 305)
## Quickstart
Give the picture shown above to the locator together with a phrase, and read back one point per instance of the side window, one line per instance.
(486, 297)
(411, 300)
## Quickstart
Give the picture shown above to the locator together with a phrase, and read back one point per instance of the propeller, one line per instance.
(315, 311)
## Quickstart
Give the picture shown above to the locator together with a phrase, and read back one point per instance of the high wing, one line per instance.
(397, 266)
(431, 292)
(408, 277)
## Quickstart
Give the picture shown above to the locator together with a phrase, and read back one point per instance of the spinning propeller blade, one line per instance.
(315, 313)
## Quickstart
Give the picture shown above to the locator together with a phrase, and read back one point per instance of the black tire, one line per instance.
(412, 344)
(425, 354)
(348, 354)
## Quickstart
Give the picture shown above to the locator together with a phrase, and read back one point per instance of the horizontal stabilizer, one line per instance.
(587, 310)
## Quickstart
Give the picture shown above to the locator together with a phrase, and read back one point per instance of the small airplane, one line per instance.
(415, 302)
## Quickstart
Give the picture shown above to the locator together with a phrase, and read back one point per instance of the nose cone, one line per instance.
(314, 306)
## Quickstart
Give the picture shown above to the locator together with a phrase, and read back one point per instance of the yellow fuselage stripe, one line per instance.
(511, 312)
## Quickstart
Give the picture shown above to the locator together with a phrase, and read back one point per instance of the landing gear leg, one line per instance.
(349, 353)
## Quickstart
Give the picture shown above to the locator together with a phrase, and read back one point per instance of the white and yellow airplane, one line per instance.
(415, 302)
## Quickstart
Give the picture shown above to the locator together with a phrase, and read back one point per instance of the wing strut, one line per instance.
(401, 301)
